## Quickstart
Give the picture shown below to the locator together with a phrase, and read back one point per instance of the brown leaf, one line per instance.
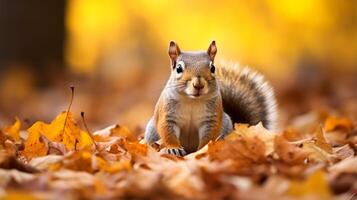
(289, 153)
(321, 141)
(243, 130)
(8, 175)
(243, 151)
(8, 161)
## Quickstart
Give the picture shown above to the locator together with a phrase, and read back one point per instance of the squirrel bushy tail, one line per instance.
(247, 97)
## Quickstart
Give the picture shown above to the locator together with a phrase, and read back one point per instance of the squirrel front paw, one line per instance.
(174, 151)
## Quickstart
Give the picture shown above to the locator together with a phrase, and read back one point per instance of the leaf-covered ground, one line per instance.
(312, 156)
(59, 160)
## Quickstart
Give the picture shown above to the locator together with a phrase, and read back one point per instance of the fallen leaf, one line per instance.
(44, 162)
(333, 123)
(316, 185)
(8, 175)
(85, 140)
(292, 134)
(14, 130)
(289, 153)
(343, 152)
(243, 130)
(321, 141)
(243, 151)
(62, 129)
(115, 131)
(33, 145)
(10, 161)
(347, 165)
(136, 149)
(316, 153)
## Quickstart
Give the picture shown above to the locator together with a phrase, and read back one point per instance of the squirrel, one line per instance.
(200, 102)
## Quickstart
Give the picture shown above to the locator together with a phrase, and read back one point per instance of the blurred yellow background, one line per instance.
(271, 35)
(115, 52)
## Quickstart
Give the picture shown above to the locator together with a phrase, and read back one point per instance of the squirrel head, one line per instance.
(193, 73)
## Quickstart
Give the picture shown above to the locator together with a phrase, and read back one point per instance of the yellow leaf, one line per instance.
(62, 129)
(85, 140)
(14, 130)
(33, 146)
(315, 184)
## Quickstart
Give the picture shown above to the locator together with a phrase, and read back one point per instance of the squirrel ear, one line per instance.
(174, 51)
(212, 50)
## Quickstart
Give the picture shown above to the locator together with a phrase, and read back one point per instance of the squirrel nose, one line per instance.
(198, 86)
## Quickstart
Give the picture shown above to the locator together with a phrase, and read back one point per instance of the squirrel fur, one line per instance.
(200, 101)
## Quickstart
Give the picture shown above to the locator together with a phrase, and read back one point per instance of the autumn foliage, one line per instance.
(59, 160)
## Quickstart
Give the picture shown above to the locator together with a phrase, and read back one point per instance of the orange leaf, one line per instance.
(112, 167)
(14, 130)
(334, 123)
(136, 149)
(122, 131)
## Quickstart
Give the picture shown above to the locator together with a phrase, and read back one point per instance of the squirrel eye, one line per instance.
(213, 68)
(179, 69)
(180, 66)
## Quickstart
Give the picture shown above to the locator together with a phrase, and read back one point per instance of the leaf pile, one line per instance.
(313, 159)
